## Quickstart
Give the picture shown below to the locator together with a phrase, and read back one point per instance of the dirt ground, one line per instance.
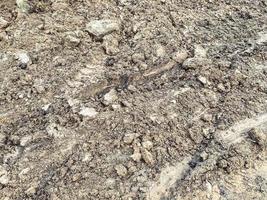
(125, 99)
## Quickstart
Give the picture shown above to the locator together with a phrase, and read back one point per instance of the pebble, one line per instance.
(147, 156)
(25, 140)
(73, 40)
(110, 97)
(100, 28)
(128, 138)
(203, 80)
(46, 107)
(121, 170)
(258, 136)
(147, 145)
(4, 179)
(3, 23)
(180, 56)
(2, 139)
(136, 156)
(88, 112)
(23, 5)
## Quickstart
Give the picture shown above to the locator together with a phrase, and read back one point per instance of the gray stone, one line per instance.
(121, 170)
(100, 28)
(88, 112)
(3, 23)
(110, 97)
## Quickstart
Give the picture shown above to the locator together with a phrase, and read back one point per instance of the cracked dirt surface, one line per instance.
(124, 99)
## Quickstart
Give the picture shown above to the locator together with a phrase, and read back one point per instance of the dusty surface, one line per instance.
(149, 99)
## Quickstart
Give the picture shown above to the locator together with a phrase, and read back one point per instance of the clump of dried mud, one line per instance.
(133, 100)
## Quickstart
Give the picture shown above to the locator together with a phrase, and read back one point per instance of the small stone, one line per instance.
(76, 177)
(121, 170)
(136, 156)
(221, 87)
(23, 5)
(138, 57)
(111, 45)
(126, 104)
(147, 157)
(132, 88)
(257, 135)
(4, 179)
(100, 28)
(204, 155)
(110, 97)
(115, 107)
(206, 117)
(203, 80)
(200, 51)
(88, 112)
(73, 40)
(128, 138)
(160, 52)
(23, 57)
(180, 56)
(2, 139)
(147, 145)
(46, 107)
(3, 23)
(25, 140)
(196, 62)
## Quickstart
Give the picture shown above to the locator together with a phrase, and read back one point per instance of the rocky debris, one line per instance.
(221, 87)
(200, 51)
(258, 135)
(23, 59)
(25, 140)
(128, 138)
(4, 179)
(59, 5)
(180, 56)
(115, 107)
(88, 112)
(23, 5)
(196, 62)
(110, 97)
(147, 156)
(3, 23)
(136, 155)
(147, 145)
(100, 28)
(203, 80)
(46, 107)
(121, 170)
(111, 45)
(74, 41)
(2, 139)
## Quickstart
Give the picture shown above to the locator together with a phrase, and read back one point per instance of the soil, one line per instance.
(163, 100)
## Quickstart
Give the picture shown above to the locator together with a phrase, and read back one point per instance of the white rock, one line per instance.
(102, 27)
(147, 145)
(88, 112)
(110, 97)
(203, 80)
(46, 107)
(23, 57)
